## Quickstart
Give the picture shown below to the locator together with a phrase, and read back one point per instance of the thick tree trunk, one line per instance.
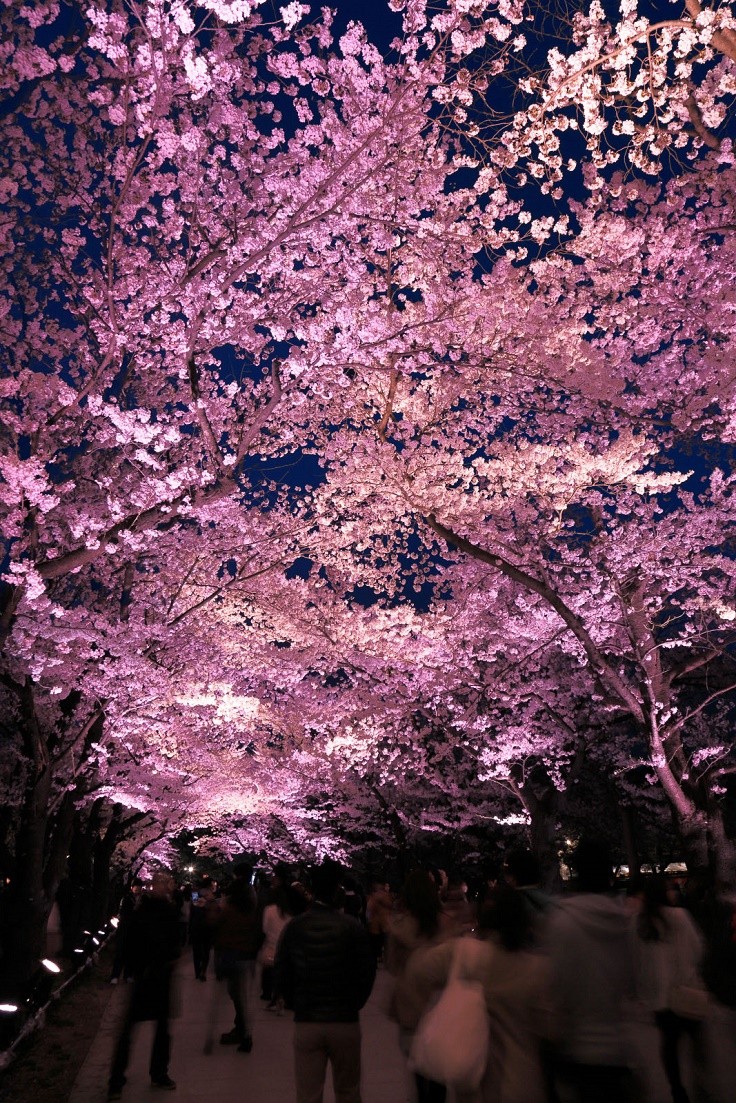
(104, 848)
(77, 897)
(694, 834)
(629, 835)
(543, 812)
(58, 841)
(28, 906)
(708, 851)
(543, 842)
(722, 850)
(41, 848)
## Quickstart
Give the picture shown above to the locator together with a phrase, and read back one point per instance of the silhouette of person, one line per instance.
(154, 948)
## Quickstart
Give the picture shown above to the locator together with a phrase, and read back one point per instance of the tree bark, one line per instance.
(543, 812)
(629, 834)
(28, 907)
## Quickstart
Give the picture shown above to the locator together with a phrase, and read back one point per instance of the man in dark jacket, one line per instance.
(325, 970)
(154, 944)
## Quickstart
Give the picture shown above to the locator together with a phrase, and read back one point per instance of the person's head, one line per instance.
(243, 872)
(521, 868)
(593, 865)
(241, 894)
(505, 913)
(457, 886)
(326, 880)
(162, 884)
(439, 876)
(490, 877)
(420, 898)
(297, 898)
(280, 878)
(673, 892)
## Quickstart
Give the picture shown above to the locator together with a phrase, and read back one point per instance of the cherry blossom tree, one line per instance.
(582, 492)
(235, 240)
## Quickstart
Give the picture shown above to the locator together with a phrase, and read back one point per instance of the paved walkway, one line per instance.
(266, 1074)
(226, 1076)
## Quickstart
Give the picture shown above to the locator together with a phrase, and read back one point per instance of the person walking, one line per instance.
(325, 970)
(515, 985)
(377, 915)
(418, 924)
(669, 954)
(154, 948)
(122, 961)
(276, 914)
(589, 939)
(202, 916)
(238, 937)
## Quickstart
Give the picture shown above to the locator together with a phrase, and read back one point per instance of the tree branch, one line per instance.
(601, 667)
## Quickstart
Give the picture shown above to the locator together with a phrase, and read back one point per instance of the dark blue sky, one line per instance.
(379, 21)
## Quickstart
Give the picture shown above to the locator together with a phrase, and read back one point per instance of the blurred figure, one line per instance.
(154, 942)
(456, 906)
(122, 963)
(299, 897)
(325, 969)
(418, 925)
(353, 899)
(202, 916)
(441, 880)
(276, 915)
(183, 904)
(714, 909)
(514, 982)
(590, 942)
(378, 913)
(669, 953)
(238, 937)
(522, 871)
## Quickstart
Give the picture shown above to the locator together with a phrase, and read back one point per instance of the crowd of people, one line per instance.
(565, 979)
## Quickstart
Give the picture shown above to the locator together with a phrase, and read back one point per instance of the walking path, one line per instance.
(266, 1074)
(226, 1076)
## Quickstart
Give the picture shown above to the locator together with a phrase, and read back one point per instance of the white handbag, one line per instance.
(450, 1045)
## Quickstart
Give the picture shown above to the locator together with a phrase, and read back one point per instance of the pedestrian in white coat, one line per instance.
(669, 953)
(590, 941)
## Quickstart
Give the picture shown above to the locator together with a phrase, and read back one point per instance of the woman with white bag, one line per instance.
(513, 982)
(418, 926)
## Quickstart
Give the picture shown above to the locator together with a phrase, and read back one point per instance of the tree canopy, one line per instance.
(369, 415)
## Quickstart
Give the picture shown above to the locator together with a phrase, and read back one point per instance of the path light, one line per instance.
(10, 1022)
(42, 983)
